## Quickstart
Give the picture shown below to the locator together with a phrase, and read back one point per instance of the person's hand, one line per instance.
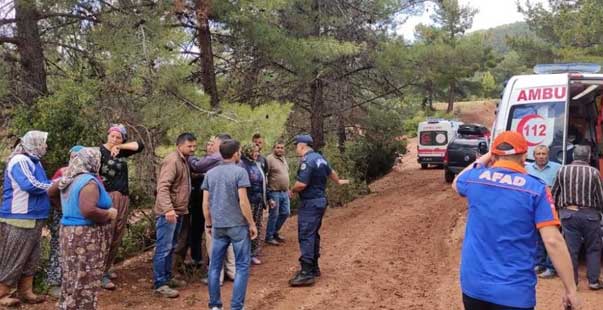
(253, 232)
(115, 151)
(271, 203)
(171, 217)
(344, 182)
(571, 301)
(484, 159)
(291, 194)
(112, 213)
(207, 230)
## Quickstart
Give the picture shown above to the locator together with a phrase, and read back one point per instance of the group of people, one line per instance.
(237, 184)
(222, 194)
(85, 205)
(527, 219)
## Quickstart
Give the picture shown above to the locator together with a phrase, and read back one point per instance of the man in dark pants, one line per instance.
(578, 194)
(311, 185)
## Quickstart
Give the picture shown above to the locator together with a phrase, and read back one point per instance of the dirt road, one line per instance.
(397, 248)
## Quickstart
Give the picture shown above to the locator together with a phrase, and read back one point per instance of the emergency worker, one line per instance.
(507, 210)
(311, 185)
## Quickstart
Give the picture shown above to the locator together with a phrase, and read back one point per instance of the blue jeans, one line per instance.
(221, 239)
(309, 220)
(542, 258)
(167, 238)
(279, 214)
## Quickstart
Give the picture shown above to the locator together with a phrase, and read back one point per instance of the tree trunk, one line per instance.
(30, 51)
(208, 73)
(316, 117)
(316, 89)
(451, 88)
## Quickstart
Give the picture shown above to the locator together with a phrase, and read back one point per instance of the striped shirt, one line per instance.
(578, 184)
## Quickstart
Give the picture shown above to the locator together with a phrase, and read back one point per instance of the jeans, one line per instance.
(542, 258)
(309, 220)
(279, 214)
(167, 238)
(221, 238)
(476, 304)
(583, 227)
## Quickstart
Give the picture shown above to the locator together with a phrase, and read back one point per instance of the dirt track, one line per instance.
(397, 248)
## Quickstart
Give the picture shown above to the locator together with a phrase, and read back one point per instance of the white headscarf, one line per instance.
(33, 144)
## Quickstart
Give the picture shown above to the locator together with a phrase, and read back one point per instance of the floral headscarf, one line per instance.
(247, 151)
(121, 129)
(87, 160)
(33, 144)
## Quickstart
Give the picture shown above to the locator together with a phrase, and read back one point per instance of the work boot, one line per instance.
(304, 277)
(316, 269)
(5, 299)
(25, 291)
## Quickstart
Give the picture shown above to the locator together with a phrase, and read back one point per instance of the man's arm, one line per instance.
(483, 160)
(202, 164)
(167, 175)
(206, 212)
(335, 178)
(598, 190)
(557, 250)
(246, 210)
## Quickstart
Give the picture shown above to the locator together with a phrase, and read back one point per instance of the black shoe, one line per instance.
(302, 278)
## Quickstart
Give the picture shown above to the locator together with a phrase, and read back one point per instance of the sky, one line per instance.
(491, 13)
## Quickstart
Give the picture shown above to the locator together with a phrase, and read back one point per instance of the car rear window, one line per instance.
(433, 138)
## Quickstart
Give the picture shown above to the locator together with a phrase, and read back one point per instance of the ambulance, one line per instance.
(434, 136)
(558, 106)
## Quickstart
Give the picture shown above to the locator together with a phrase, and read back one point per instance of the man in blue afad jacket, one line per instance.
(507, 210)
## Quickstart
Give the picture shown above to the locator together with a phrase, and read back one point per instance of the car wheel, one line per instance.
(448, 176)
(424, 166)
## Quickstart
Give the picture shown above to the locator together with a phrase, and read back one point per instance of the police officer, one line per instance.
(311, 185)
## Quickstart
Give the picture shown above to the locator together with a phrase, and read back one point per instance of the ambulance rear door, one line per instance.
(536, 106)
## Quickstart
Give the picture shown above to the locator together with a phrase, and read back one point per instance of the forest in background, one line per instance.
(335, 69)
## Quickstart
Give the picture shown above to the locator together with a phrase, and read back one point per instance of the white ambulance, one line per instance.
(558, 106)
(434, 136)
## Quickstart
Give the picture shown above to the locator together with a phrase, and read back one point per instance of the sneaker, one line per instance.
(256, 261)
(166, 291)
(539, 269)
(175, 283)
(595, 286)
(215, 308)
(279, 238)
(273, 242)
(107, 284)
(112, 275)
(548, 274)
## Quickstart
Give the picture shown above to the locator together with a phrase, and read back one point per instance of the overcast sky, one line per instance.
(491, 13)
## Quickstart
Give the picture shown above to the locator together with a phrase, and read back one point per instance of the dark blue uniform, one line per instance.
(313, 171)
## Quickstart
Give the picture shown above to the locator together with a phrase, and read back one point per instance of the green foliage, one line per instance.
(488, 85)
(69, 116)
(373, 152)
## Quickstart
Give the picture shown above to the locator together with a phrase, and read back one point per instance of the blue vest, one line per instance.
(70, 200)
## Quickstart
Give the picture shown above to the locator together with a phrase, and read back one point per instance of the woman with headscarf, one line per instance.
(256, 193)
(114, 173)
(85, 228)
(25, 208)
(53, 273)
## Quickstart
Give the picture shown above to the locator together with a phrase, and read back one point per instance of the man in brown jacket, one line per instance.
(173, 192)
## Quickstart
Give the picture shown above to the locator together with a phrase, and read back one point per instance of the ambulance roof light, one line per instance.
(567, 68)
